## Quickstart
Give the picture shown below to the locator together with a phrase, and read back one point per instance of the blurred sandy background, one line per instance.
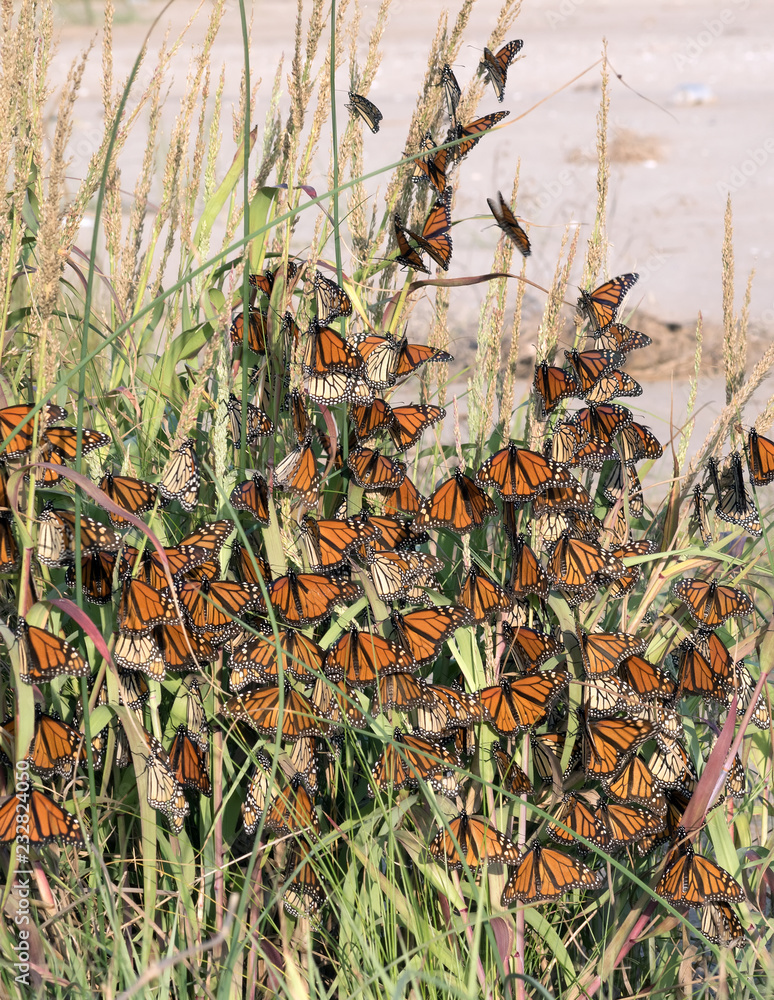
(704, 125)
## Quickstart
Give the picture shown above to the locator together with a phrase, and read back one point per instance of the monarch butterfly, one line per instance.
(432, 168)
(258, 422)
(574, 564)
(482, 596)
(335, 387)
(141, 607)
(509, 224)
(546, 873)
(368, 111)
(422, 633)
(734, 503)
(326, 352)
(261, 710)
(741, 683)
(327, 543)
(394, 573)
(305, 598)
(180, 648)
(575, 813)
(553, 385)
(379, 356)
(635, 783)
(567, 439)
(590, 366)
(471, 842)
(513, 706)
(180, 479)
(721, 926)
(435, 240)
(405, 499)
(408, 423)
(189, 762)
(527, 575)
(601, 305)
(611, 385)
(408, 759)
(760, 458)
(520, 474)
(711, 604)
(257, 792)
(56, 536)
(211, 606)
(361, 658)
(63, 441)
(291, 812)
(528, 647)
(622, 825)
(401, 691)
(304, 762)
(513, 780)
(140, 653)
(458, 504)
(38, 819)
(133, 495)
(289, 272)
(407, 255)
(600, 424)
(252, 495)
(603, 652)
(55, 748)
(694, 880)
(9, 550)
(43, 656)
(258, 659)
(410, 356)
(700, 516)
(249, 565)
(673, 769)
(452, 709)
(473, 132)
(704, 666)
(623, 480)
(151, 567)
(573, 497)
(20, 440)
(637, 443)
(617, 337)
(331, 300)
(607, 744)
(607, 696)
(297, 473)
(338, 703)
(451, 90)
(257, 328)
(392, 533)
(646, 679)
(164, 792)
(304, 894)
(373, 471)
(496, 65)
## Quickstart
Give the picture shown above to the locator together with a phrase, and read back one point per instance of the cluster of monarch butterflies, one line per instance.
(612, 765)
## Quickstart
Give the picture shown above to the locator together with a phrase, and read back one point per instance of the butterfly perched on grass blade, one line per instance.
(601, 305)
(496, 64)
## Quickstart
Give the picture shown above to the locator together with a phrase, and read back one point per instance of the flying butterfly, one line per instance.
(601, 305)
(474, 132)
(366, 109)
(496, 64)
(603, 652)
(509, 224)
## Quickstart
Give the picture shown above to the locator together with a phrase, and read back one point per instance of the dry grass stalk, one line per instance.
(507, 395)
(438, 337)
(731, 360)
(688, 426)
(596, 251)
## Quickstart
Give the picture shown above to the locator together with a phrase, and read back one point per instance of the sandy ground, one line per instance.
(698, 126)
